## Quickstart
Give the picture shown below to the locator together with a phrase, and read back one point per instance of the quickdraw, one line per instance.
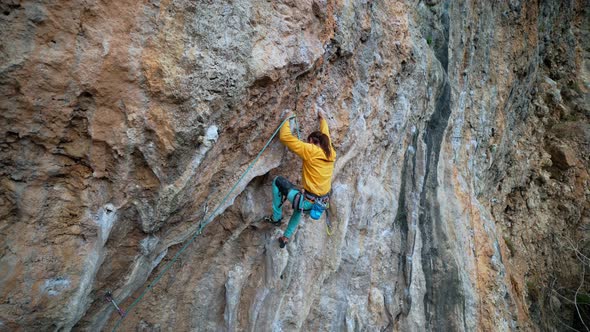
(108, 296)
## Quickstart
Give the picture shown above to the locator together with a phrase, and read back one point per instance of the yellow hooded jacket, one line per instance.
(317, 168)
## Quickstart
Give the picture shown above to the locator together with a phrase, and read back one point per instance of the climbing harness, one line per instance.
(314, 198)
(108, 296)
(202, 225)
(298, 201)
(320, 203)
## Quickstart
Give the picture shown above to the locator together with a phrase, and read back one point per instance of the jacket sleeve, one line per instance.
(298, 147)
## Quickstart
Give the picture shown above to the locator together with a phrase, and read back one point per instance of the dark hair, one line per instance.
(317, 137)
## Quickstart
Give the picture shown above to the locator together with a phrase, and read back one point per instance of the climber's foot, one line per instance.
(283, 241)
(270, 220)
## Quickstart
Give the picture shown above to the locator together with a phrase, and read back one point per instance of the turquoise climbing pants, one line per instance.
(282, 187)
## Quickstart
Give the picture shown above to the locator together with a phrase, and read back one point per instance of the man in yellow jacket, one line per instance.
(318, 157)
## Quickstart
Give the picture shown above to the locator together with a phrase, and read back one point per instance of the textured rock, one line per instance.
(460, 188)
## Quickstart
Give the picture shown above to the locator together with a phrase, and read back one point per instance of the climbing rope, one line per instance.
(208, 220)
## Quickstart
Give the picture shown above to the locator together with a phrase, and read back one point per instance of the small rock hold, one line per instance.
(109, 208)
(36, 13)
(555, 303)
(319, 9)
(562, 156)
(212, 134)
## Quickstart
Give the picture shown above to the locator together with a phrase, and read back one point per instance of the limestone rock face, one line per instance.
(131, 134)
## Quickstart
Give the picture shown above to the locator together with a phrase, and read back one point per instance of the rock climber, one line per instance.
(318, 157)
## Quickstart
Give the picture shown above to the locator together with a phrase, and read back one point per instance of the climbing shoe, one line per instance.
(269, 220)
(283, 240)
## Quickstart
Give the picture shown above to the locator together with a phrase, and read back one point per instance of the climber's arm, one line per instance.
(324, 126)
(298, 147)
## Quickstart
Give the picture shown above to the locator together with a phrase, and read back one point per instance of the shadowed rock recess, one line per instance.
(461, 192)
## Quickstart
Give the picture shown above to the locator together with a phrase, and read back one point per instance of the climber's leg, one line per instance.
(296, 217)
(280, 188)
(293, 223)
